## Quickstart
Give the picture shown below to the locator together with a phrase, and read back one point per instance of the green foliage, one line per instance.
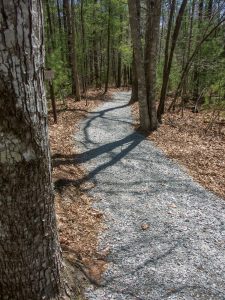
(127, 54)
(94, 18)
(61, 73)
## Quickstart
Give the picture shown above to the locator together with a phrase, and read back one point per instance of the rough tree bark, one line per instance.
(151, 47)
(134, 93)
(30, 258)
(138, 54)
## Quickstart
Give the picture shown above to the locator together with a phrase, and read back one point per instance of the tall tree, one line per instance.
(151, 47)
(119, 65)
(29, 251)
(134, 93)
(166, 58)
(95, 46)
(169, 58)
(108, 45)
(75, 82)
(70, 23)
(139, 60)
(146, 66)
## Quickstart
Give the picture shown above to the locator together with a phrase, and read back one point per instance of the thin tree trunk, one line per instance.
(95, 47)
(196, 75)
(166, 74)
(52, 96)
(50, 27)
(76, 82)
(189, 62)
(101, 61)
(186, 80)
(119, 63)
(162, 29)
(108, 48)
(161, 107)
(59, 16)
(65, 17)
(30, 258)
(84, 54)
(209, 9)
(119, 70)
(70, 19)
(61, 39)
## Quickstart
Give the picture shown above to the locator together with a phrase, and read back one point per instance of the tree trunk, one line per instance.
(119, 63)
(49, 22)
(190, 60)
(209, 9)
(59, 17)
(196, 75)
(190, 38)
(70, 20)
(138, 53)
(166, 73)
(84, 54)
(134, 93)
(95, 47)
(161, 107)
(30, 258)
(52, 96)
(108, 48)
(65, 17)
(75, 78)
(119, 70)
(113, 65)
(151, 47)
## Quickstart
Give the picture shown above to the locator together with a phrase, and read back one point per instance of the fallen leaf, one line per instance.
(145, 226)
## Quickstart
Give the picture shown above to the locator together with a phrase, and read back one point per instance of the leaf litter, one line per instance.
(79, 224)
(199, 149)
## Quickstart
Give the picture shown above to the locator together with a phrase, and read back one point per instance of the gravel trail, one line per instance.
(180, 254)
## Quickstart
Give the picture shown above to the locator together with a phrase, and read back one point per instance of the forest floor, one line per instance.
(78, 222)
(160, 224)
(200, 148)
(164, 233)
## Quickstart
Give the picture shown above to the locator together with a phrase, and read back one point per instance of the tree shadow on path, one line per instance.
(122, 146)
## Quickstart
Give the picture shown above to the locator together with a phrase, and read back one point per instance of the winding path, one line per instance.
(181, 254)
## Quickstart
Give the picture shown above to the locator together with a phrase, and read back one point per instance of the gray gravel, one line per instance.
(182, 253)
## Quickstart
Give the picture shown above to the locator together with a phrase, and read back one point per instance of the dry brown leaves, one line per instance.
(201, 152)
(78, 222)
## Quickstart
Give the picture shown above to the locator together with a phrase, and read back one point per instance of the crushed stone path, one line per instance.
(180, 251)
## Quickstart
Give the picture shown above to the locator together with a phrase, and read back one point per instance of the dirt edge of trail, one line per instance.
(79, 224)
